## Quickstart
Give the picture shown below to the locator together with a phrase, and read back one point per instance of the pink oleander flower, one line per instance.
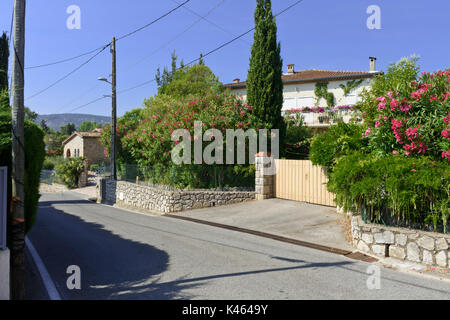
(377, 124)
(446, 133)
(394, 104)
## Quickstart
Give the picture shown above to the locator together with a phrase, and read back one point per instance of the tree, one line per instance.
(4, 56)
(30, 114)
(68, 129)
(88, 126)
(264, 83)
(194, 80)
(44, 126)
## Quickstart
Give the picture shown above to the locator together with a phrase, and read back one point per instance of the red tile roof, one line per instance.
(94, 134)
(315, 75)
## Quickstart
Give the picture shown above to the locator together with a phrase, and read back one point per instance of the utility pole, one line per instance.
(114, 112)
(17, 225)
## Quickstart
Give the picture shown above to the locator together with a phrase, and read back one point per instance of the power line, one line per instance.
(122, 37)
(210, 22)
(213, 50)
(195, 60)
(174, 38)
(150, 23)
(65, 60)
(70, 73)
(86, 104)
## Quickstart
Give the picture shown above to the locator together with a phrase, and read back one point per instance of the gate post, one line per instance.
(264, 176)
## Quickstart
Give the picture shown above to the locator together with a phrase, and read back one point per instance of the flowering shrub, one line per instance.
(400, 173)
(412, 119)
(148, 142)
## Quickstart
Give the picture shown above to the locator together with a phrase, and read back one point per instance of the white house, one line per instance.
(299, 87)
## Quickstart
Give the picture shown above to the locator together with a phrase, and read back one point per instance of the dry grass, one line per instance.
(345, 221)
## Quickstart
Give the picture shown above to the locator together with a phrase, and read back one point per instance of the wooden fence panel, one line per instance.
(299, 180)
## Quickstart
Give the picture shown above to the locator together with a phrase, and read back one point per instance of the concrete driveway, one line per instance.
(298, 220)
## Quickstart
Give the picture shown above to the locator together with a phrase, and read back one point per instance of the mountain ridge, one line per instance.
(57, 120)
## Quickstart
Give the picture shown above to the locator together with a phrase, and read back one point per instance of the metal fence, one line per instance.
(48, 176)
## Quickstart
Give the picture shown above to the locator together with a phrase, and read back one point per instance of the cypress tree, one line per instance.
(4, 56)
(264, 83)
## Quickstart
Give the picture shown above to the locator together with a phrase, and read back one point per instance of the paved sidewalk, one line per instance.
(296, 220)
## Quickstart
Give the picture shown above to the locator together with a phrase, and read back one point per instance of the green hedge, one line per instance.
(34, 158)
(394, 190)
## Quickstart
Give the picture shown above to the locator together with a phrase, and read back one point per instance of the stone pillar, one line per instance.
(264, 176)
(83, 178)
(101, 186)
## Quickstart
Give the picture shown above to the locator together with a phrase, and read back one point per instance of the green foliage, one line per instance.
(297, 137)
(4, 56)
(30, 114)
(53, 141)
(321, 91)
(350, 85)
(51, 162)
(264, 83)
(145, 140)
(341, 139)
(194, 80)
(34, 158)
(393, 189)
(67, 129)
(69, 171)
(125, 125)
(48, 165)
(88, 126)
(395, 169)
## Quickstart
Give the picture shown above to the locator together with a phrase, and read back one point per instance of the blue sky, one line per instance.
(319, 34)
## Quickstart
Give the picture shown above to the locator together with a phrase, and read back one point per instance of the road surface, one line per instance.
(126, 255)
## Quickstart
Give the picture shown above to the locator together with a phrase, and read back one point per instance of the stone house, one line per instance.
(87, 145)
(299, 87)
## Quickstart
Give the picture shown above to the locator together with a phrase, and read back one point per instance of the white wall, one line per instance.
(4, 274)
(302, 95)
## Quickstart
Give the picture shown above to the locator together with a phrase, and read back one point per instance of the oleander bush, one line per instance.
(395, 168)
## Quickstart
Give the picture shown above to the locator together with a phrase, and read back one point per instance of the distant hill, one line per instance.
(56, 121)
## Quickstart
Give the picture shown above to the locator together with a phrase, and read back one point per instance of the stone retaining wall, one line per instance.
(162, 200)
(423, 247)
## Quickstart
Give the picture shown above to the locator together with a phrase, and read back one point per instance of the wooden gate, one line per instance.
(299, 180)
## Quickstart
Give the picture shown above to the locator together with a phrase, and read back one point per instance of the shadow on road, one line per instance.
(112, 267)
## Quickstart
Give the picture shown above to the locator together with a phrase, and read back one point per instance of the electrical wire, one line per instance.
(70, 73)
(173, 38)
(120, 38)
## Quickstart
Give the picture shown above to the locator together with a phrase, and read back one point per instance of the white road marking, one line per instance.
(48, 282)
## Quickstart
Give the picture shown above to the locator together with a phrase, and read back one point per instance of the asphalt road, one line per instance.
(126, 255)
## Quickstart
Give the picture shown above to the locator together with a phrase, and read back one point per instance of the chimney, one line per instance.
(237, 80)
(291, 69)
(372, 63)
